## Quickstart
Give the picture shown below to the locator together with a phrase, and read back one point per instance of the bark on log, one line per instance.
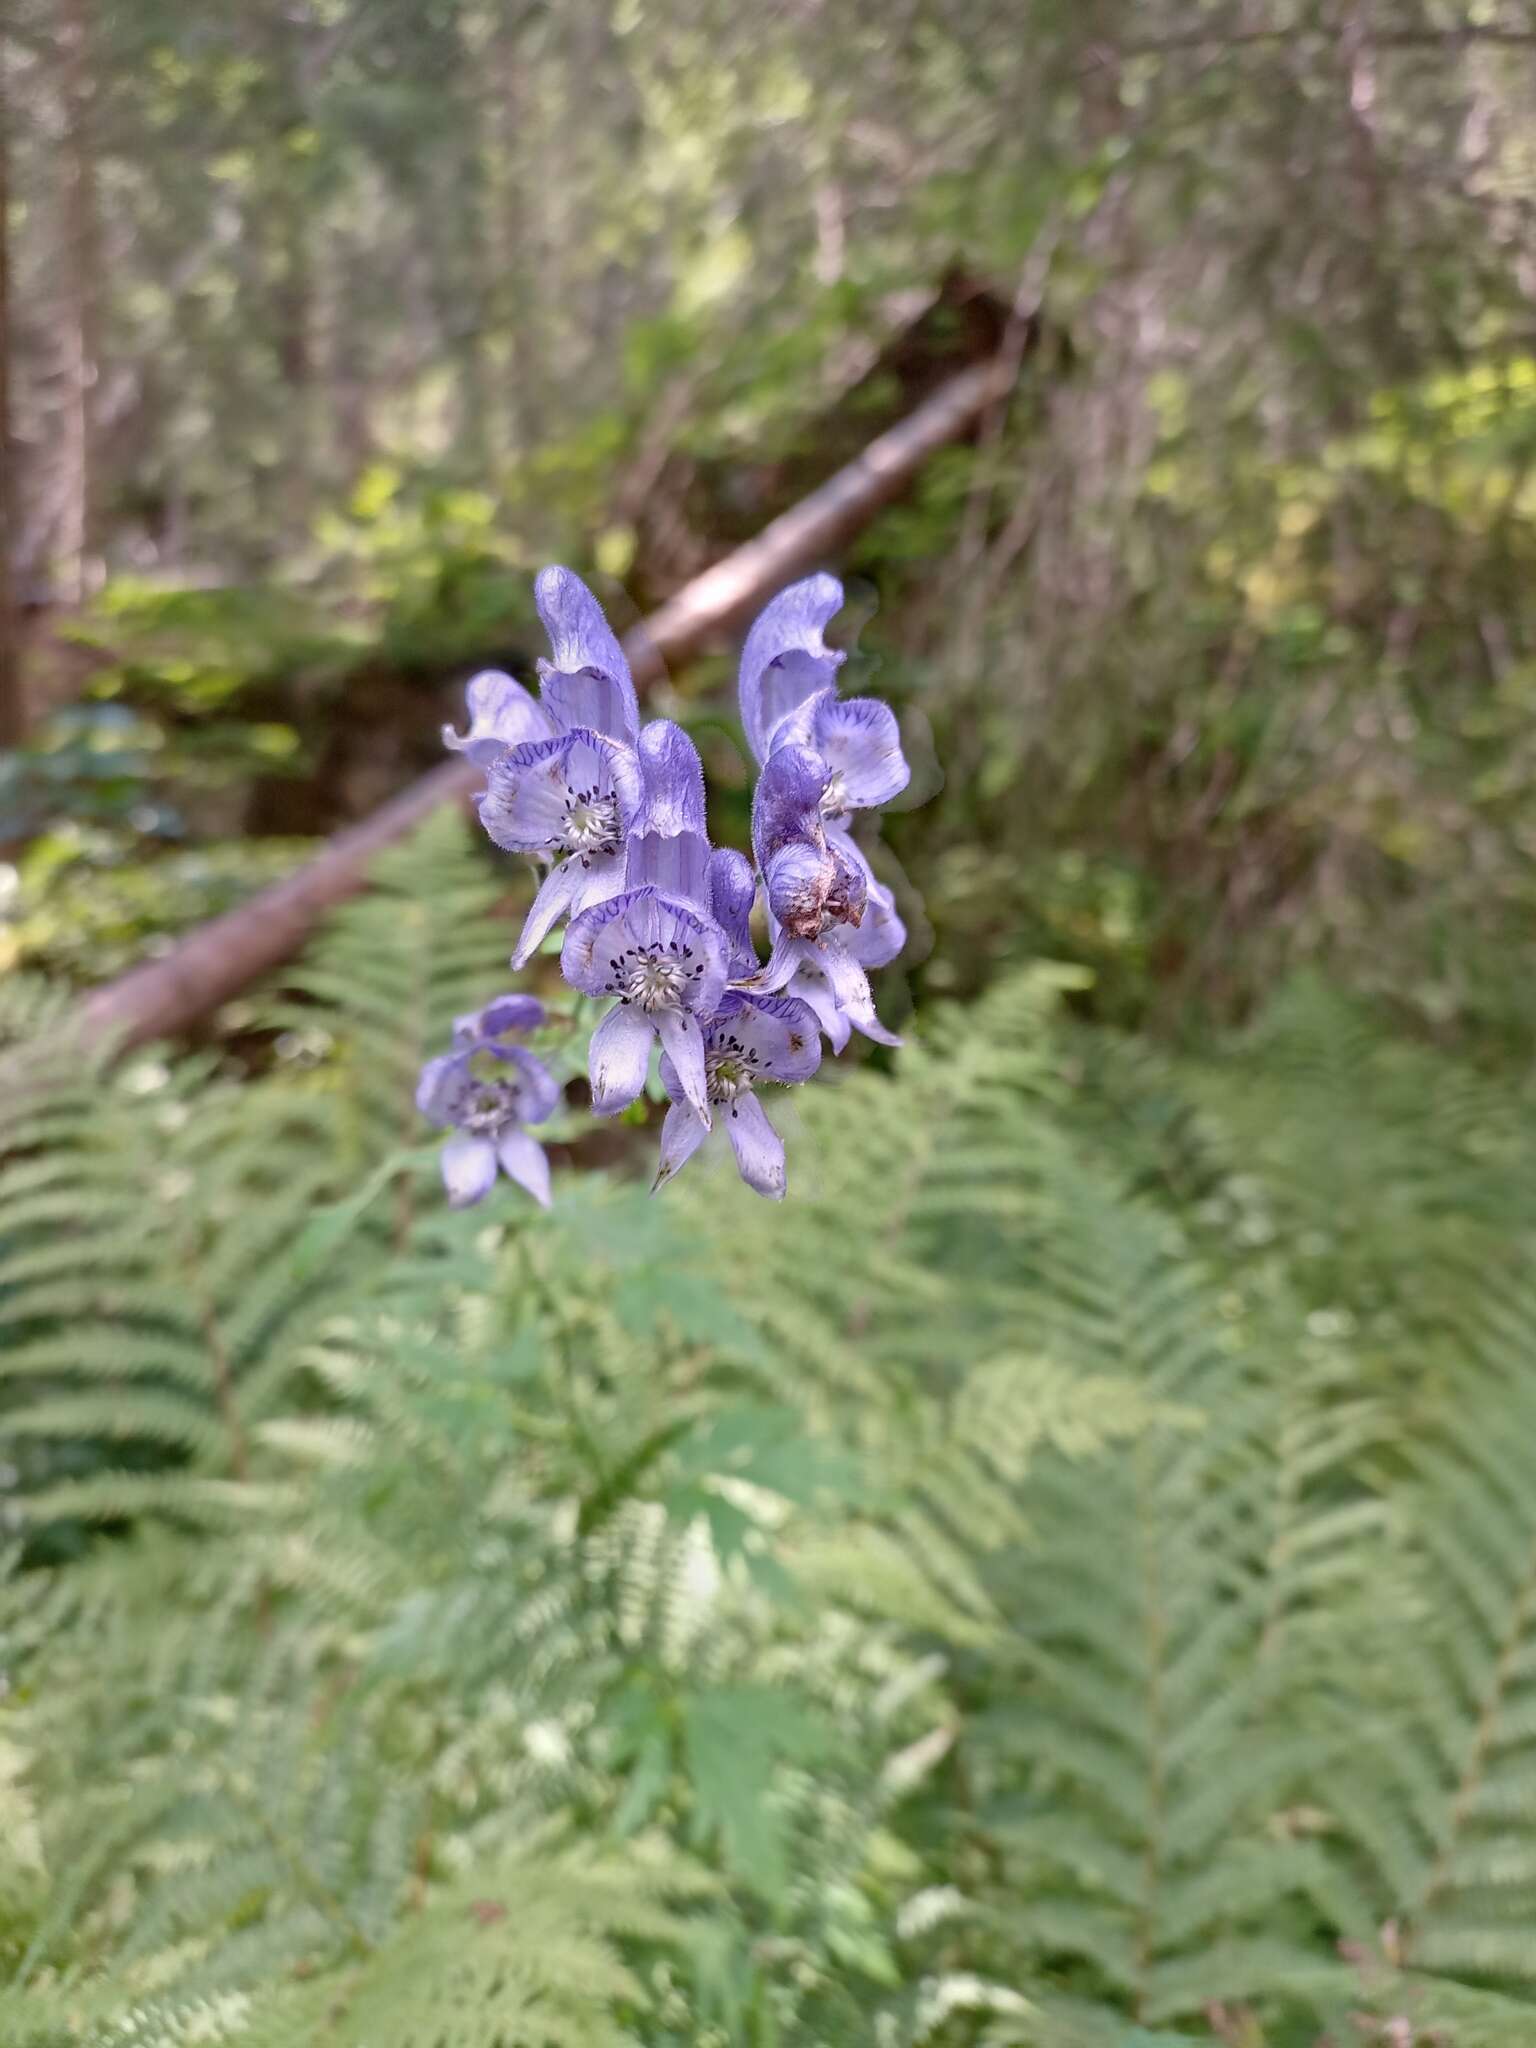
(218, 959)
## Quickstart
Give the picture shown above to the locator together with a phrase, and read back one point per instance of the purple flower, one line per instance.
(501, 715)
(667, 848)
(858, 739)
(486, 1109)
(785, 658)
(569, 800)
(830, 972)
(666, 963)
(588, 683)
(812, 883)
(749, 1039)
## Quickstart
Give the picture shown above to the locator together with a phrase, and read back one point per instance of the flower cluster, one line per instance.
(659, 921)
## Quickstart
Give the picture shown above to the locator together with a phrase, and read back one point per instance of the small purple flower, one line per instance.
(666, 963)
(588, 683)
(785, 658)
(501, 715)
(570, 800)
(749, 1039)
(486, 1110)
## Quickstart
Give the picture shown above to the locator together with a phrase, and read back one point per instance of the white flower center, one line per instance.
(656, 984)
(834, 798)
(492, 1104)
(591, 822)
(730, 1068)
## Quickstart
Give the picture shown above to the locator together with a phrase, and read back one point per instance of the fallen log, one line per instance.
(209, 965)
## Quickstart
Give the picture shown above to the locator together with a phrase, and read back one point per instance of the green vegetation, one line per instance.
(1064, 1577)
(1067, 1577)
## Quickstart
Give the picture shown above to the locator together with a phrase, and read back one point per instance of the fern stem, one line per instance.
(1154, 1644)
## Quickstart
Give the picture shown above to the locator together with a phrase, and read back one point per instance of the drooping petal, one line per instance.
(538, 1092)
(681, 1136)
(811, 986)
(503, 1014)
(799, 879)
(785, 658)
(618, 1057)
(732, 893)
(588, 681)
(850, 986)
(775, 1038)
(606, 945)
(860, 741)
(881, 935)
(548, 907)
(677, 864)
(673, 779)
(445, 1086)
(469, 1169)
(759, 1149)
(782, 963)
(523, 1160)
(684, 1044)
(502, 714)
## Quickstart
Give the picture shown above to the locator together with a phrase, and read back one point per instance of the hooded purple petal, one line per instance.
(501, 714)
(732, 893)
(588, 681)
(677, 865)
(786, 658)
(673, 781)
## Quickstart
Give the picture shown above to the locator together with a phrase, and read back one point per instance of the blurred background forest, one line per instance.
(1069, 1580)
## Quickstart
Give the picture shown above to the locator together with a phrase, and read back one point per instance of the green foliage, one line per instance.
(1061, 1579)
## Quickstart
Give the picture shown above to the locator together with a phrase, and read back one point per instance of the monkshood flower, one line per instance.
(749, 1039)
(563, 781)
(666, 963)
(785, 658)
(811, 883)
(486, 1109)
(788, 690)
(831, 974)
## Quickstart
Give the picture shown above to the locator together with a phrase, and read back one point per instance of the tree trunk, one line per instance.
(13, 721)
(76, 540)
(209, 965)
